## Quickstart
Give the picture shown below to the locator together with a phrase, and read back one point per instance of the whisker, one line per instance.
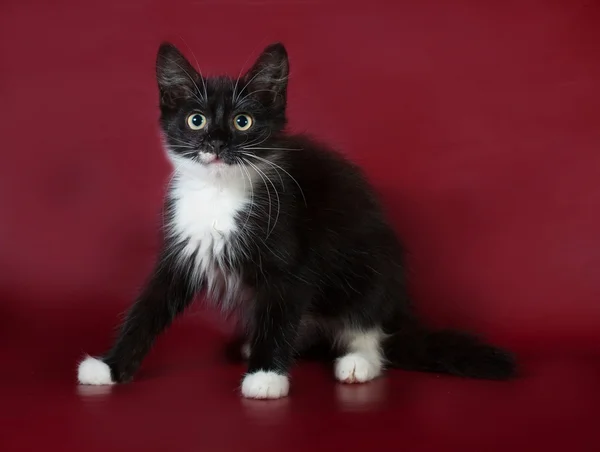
(247, 174)
(180, 141)
(278, 173)
(197, 66)
(256, 142)
(190, 77)
(240, 74)
(260, 173)
(282, 169)
(250, 81)
(254, 92)
(274, 149)
(180, 146)
(278, 201)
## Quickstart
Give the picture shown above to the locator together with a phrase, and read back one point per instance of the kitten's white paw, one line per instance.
(245, 350)
(355, 368)
(265, 385)
(92, 371)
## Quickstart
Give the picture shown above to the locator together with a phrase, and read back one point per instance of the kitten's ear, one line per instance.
(177, 78)
(268, 78)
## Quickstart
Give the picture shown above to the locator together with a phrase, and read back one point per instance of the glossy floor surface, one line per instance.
(477, 122)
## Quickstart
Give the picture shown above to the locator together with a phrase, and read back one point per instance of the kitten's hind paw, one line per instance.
(265, 385)
(93, 371)
(355, 368)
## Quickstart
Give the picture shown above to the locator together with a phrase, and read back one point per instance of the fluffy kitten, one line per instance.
(285, 233)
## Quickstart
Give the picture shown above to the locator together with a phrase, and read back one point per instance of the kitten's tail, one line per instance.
(448, 352)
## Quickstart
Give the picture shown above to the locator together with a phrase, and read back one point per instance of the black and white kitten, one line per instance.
(285, 233)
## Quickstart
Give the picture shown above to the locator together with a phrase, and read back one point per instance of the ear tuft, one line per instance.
(177, 79)
(268, 76)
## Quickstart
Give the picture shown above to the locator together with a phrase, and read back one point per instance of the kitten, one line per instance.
(285, 233)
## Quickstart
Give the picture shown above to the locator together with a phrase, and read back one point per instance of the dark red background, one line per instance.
(478, 121)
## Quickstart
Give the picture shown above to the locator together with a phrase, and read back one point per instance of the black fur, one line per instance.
(322, 258)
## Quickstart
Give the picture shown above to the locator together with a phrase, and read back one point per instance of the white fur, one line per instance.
(207, 199)
(265, 385)
(364, 360)
(92, 371)
(355, 368)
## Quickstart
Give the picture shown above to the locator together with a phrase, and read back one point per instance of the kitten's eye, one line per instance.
(196, 121)
(242, 122)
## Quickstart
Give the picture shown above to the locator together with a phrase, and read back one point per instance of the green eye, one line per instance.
(242, 122)
(196, 121)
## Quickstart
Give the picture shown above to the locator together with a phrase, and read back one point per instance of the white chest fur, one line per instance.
(207, 201)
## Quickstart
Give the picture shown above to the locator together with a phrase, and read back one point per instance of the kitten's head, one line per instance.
(216, 120)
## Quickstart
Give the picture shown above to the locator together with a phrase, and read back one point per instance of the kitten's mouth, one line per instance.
(211, 159)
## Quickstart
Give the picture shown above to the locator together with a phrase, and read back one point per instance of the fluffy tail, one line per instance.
(449, 352)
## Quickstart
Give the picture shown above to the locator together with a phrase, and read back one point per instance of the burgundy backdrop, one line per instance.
(478, 121)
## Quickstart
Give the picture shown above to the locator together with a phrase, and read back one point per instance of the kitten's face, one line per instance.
(217, 121)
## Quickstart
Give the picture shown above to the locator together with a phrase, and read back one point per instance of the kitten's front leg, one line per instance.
(278, 310)
(167, 294)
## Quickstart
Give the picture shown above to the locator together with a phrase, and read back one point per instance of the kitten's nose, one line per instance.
(217, 146)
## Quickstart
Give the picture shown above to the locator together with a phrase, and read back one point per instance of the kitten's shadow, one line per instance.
(267, 412)
(318, 352)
